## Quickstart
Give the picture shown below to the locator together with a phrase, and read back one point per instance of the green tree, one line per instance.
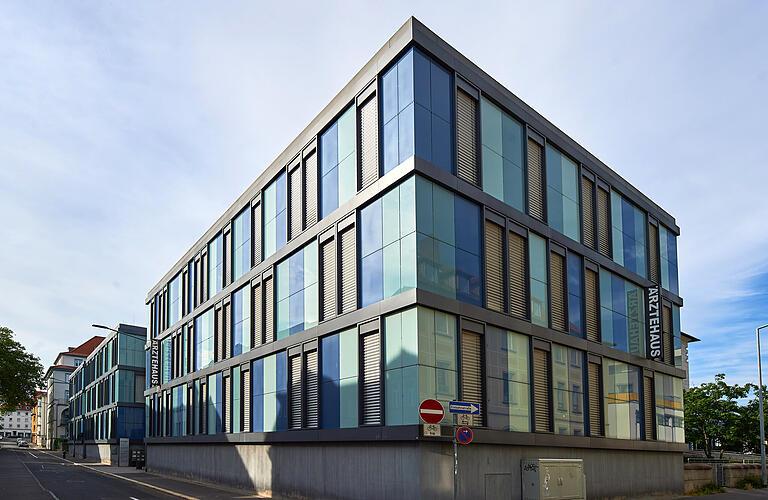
(712, 414)
(749, 425)
(20, 373)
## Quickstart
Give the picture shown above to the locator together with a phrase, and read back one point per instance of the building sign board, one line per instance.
(464, 407)
(154, 363)
(653, 315)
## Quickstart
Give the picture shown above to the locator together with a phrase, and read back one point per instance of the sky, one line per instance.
(128, 128)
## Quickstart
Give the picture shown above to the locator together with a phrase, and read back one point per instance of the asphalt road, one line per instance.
(30, 474)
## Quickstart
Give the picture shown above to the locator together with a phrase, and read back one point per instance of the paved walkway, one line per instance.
(732, 493)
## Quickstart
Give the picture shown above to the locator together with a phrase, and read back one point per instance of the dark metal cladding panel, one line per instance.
(494, 266)
(368, 116)
(466, 137)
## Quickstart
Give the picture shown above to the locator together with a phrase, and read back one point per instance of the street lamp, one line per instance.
(113, 330)
(760, 393)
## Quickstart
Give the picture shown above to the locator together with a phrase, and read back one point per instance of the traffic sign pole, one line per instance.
(455, 459)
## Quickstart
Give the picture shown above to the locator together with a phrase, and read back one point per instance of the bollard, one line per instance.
(64, 454)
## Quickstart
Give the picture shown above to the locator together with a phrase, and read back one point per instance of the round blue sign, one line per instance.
(464, 435)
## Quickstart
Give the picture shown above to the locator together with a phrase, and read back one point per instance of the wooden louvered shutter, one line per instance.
(219, 334)
(466, 137)
(517, 288)
(371, 379)
(348, 274)
(653, 252)
(226, 398)
(595, 399)
(310, 187)
(246, 392)
(588, 211)
(648, 407)
(294, 398)
(227, 330)
(256, 311)
(603, 222)
(535, 180)
(666, 334)
(591, 303)
(542, 402)
(557, 288)
(328, 274)
(312, 374)
(494, 266)
(269, 305)
(295, 182)
(472, 372)
(368, 116)
(256, 234)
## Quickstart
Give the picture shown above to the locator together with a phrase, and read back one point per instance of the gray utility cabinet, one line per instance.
(553, 478)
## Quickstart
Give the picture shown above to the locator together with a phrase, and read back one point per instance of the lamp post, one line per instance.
(113, 330)
(760, 394)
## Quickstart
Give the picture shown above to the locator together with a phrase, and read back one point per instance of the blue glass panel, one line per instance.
(391, 157)
(281, 371)
(467, 220)
(442, 146)
(330, 404)
(421, 77)
(423, 133)
(405, 134)
(389, 94)
(618, 296)
(620, 336)
(296, 272)
(281, 193)
(440, 87)
(296, 314)
(281, 230)
(329, 196)
(329, 149)
(468, 278)
(370, 228)
(330, 357)
(405, 81)
(513, 184)
(574, 314)
(371, 276)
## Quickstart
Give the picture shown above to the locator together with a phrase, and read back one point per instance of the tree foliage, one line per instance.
(20, 373)
(714, 418)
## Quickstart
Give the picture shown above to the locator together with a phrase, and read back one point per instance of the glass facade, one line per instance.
(338, 392)
(204, 334)
(191, 291)
(297, 291)
(215, 265)
(628, 234)
(621, 400)
(165, 360)
(677, 342)
(241, 320)
(568, 390)
(668, 261)
(419, 362)
(448, 243)
(669, 408)
(502, 155)
(509, 392)
(388, 244)
(174, 301)
(622, 314)
(563, 193)
(338, 183)
(537, 255)
(214, 403)
(275, 215)
(576, 295)
(178, 412)
(416, 112)
(241, 244)
(269, 387)
(236, 400)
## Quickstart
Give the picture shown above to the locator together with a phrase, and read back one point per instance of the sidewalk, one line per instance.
(180, 488)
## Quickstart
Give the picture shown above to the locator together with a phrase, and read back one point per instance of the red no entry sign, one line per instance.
(431, 411)
(464, 435)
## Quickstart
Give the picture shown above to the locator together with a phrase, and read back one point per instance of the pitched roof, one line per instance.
(85, 348)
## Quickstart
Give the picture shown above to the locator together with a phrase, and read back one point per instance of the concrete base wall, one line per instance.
(376, 470)
(699, 474)
(733, 473)
(103, 452)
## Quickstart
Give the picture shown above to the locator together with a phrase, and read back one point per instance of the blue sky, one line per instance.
(127, 129)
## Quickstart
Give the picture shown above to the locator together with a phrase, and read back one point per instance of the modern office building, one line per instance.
(107, 396)
(57, 387)
(427, 235)
(17, 423)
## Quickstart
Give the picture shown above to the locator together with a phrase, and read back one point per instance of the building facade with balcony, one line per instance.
(428, 235)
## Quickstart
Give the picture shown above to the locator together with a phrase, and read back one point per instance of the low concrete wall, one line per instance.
(101, 452)
(733, 473)
(376, 470)
(697, 475)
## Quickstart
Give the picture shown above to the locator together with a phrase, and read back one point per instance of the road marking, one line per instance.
(133, 498)
(38, 482)
(31, 454)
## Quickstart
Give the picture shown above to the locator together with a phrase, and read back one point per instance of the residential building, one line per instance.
(17, 423)
(107, 396)
(687, 339)
(57, 390)
(38, 418)
(428, 235)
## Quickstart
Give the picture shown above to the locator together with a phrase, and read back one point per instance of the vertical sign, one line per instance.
(154, 363)
(653, 348)
(635, 328)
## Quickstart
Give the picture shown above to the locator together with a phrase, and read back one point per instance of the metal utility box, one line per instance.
(553, 478)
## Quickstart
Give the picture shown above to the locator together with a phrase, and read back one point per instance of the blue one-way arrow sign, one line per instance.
(463, 407)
